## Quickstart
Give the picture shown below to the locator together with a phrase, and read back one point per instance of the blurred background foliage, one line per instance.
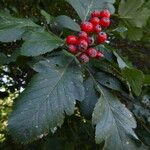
(130, 35)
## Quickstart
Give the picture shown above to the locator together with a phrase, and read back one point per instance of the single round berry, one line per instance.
(97, 29)
(72, 49)
(84, 58)
(95, 13)
(82, 45)
(87, 27)
(105, 13)
(92, 52)
(82, 35)
(90, 41)
(99, 55)
(104, 22)
(71, 39)
(95, 21)
(101, 38)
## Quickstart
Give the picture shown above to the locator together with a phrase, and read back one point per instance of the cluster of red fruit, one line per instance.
(91, 33)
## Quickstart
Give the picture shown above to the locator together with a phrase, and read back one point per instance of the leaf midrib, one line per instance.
(62, 74)
(52, 88)
(88, 9)
(107, 104)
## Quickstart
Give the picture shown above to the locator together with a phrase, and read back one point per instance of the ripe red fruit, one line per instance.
(97, 29)
(71, 39)
(101, 38)
(95, 13)
(82, 35)
(105, 22)
(92, 52)
(84, 58)
(87, 27)
(82, 45)
(72, 49)
(99, 55)
(95, 21)
(90, 41)
(105, 13)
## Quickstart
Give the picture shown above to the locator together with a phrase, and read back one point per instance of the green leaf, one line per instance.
(50, 95)
(120, 29)
(47, 16)
(120, 61)
(133, 15)
(91, 97)
(147, 4)
(84, 8)
(135, 78)
(12, 29)
(141, 17)
(128, 7)
(134, 11)
(109, 81)
(133, 33)
(106, 51)
(67, 22)
(6, 60)
(114, 123)
(147, 79)
(37, 43)
(3, 59)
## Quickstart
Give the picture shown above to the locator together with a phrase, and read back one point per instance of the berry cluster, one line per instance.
(91, 33)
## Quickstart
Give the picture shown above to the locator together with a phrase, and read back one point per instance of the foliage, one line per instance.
(61, 102)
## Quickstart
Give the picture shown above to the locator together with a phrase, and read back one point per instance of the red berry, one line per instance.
(101, 38)
(87, 27)
(72, 49)
(99, 55)
(105, 22)
(92, 52)
(71, 39)
(97, 28)
(95, 13)
(105, 13)
(90, 40)
(82, 45)
(82, 35)
(95, 21)
(84, 58)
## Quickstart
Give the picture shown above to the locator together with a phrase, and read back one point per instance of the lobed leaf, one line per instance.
(67, 22)
(12, 29)
(135, 78)
(134, 15)
(37, 43)
(114, 123)
(51, 93)
(84, 8)
(127, 7)
(134, 12)
(133, 33)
